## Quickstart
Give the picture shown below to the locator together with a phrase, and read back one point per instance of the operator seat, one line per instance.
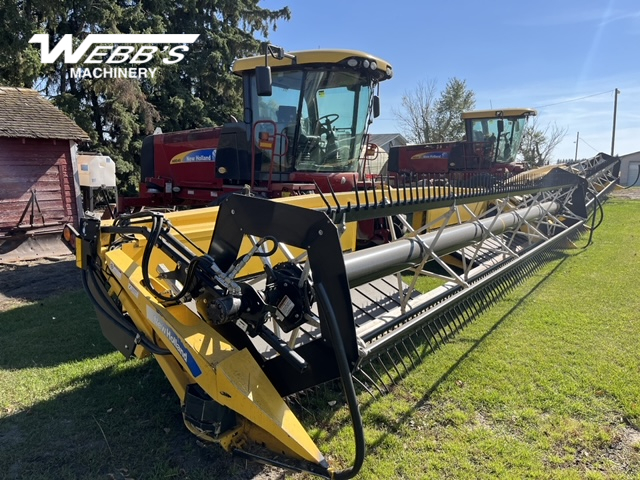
(286, 115)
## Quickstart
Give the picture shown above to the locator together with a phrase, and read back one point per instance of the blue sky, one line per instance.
(543, 54)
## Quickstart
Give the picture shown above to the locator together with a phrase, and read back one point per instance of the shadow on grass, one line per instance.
(122, 422)
(473, 346)
(316, 411)
(36, 280)
(51, 332)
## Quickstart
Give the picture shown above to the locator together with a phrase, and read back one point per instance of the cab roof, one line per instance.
(505, 112)
(310, 57)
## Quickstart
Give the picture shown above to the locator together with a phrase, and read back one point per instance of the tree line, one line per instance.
(199, 91)
(118, 113)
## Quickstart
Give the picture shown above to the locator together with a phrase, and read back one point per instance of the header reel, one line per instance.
(273, 306)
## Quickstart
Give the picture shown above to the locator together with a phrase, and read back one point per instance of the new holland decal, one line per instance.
(157, 319)
(195, 156)
(422, 156)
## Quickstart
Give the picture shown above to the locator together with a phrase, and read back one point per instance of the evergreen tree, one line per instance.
(198, 91)
(455, 99)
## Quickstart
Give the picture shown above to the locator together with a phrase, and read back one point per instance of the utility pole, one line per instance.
(615, 112)
(577, 140)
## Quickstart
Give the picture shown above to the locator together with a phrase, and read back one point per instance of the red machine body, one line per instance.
(180, 169)
(448, 157)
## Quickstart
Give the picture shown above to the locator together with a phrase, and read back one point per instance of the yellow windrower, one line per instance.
(249, 302)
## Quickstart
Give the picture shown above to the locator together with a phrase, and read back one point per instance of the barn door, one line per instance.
(34, 174)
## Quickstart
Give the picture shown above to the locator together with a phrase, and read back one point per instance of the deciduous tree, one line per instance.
(539, 142)
(416, 115)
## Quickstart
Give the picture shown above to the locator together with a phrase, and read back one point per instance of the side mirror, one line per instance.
(376, 106)
(263, 81)
(276, 52)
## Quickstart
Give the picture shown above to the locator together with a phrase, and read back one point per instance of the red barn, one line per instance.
(38, 190)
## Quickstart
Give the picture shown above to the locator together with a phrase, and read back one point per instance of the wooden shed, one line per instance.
(38, 172)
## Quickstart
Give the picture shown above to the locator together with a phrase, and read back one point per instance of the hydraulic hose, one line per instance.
(154, 235)
(594, 226)
(192, 267)
(156, 230)
(347, 385)
(114, 315)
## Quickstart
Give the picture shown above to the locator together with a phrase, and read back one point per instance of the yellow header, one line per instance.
(306, 57)
(505, 112)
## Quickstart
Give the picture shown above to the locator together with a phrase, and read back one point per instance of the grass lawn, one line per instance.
(546, 384)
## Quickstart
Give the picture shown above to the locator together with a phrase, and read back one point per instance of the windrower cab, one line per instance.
(306, 116)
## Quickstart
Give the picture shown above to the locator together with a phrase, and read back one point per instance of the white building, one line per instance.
(629, 169)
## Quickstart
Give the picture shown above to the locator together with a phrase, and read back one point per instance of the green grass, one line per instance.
(546, 384)
(71, 407)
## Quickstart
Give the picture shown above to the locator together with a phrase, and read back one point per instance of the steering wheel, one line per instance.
(330, 118)
(328, 121)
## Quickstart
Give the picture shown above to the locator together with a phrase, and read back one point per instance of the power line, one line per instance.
(575, 99)
(588, 145)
